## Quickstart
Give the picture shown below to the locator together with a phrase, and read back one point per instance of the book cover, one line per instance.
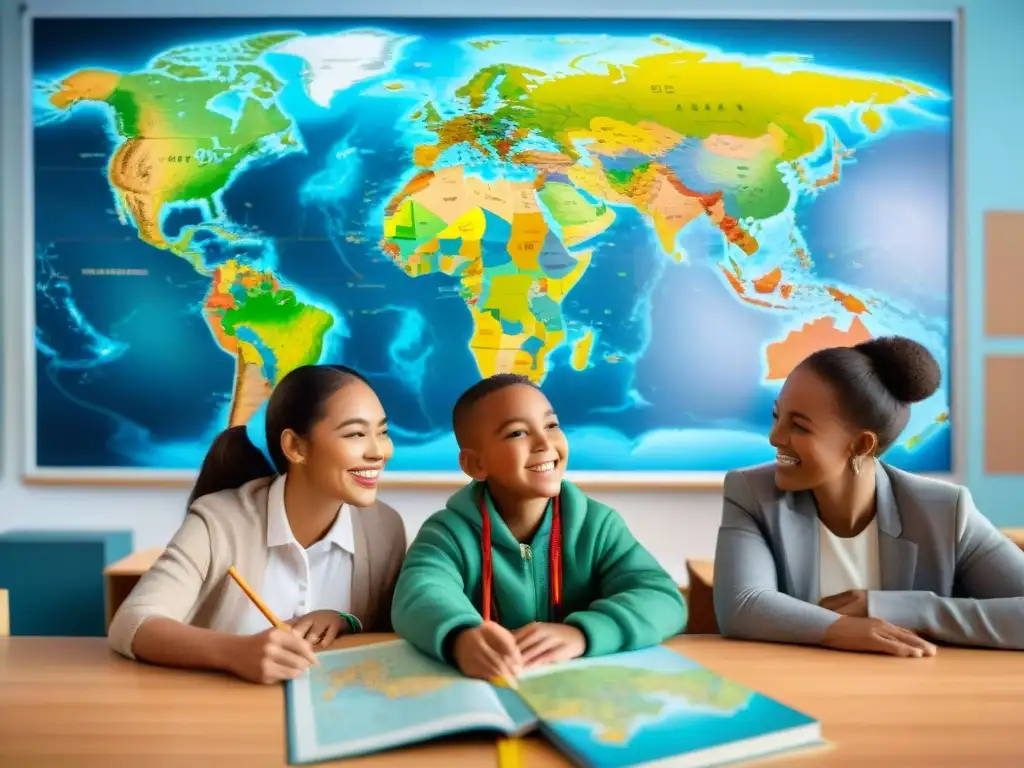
(657, 707)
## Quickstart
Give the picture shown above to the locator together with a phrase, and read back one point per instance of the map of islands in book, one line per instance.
(649, 707)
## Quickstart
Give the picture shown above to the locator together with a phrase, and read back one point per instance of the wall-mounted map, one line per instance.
(655, 220)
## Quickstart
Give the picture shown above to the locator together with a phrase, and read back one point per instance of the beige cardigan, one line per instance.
(190, 582)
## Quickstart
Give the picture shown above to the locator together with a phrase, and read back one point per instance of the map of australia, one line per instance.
(656, 226)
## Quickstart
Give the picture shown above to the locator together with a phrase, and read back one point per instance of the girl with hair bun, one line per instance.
(303, 526)
(829, 545)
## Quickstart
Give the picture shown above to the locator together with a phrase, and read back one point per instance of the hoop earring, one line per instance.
(856, 464)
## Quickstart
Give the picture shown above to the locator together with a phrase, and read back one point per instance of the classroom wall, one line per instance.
(993, 170)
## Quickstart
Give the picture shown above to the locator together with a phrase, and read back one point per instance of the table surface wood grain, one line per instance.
(73, 702)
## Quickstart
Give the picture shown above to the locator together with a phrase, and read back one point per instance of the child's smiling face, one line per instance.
(516, 442)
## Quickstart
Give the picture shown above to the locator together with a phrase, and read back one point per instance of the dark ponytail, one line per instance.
(297, 403)
(231, 462)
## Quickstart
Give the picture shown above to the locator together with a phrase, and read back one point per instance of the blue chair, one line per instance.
(54, 579)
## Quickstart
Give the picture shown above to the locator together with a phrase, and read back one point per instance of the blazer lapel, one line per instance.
(798, 536)
(897, 556)
(360, 567)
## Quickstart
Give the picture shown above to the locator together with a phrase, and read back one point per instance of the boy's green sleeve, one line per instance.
(640, 604)
(430, 602)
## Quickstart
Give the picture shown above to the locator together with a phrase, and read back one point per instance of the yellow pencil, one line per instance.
(256, 600)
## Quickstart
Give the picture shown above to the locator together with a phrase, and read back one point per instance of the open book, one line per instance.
(651, 707)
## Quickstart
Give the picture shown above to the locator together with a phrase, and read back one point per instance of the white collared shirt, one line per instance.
(299, 580)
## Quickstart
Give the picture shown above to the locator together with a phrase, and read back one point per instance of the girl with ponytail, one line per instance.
(300, 522)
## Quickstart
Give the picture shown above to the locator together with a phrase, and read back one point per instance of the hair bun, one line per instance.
(905, 367)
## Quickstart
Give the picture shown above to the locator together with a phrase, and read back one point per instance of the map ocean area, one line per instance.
(622, 710)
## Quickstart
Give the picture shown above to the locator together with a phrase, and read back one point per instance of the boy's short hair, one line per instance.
(463, 411)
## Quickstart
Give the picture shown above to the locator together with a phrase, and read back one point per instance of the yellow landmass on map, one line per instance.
(581, 351)
(442, 221)
(694, 94)
(375, 676)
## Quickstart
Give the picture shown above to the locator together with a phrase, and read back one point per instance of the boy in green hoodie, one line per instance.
(521, 568)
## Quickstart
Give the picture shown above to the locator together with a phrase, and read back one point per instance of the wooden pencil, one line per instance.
(256, 600)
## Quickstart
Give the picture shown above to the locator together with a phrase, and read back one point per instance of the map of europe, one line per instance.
(653, 220)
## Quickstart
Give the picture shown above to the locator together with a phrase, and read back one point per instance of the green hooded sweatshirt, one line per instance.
(613, 589)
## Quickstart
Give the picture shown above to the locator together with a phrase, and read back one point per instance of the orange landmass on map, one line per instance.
(542, 160)
(417, 183)
(850, 303)
(768, 282)
(715, 210)
(735, 282)
(250, 392)
(783, 356)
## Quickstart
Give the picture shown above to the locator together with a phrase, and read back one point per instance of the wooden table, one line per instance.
(70, 701)
(120, 578)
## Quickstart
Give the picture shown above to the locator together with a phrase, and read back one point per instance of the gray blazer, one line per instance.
(947, 573)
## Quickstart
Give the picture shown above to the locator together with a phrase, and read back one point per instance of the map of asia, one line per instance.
(655, 220)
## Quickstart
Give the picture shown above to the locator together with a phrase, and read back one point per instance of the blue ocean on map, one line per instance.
(687, 731)
(682, 725)
(383, 695)
(444, 213)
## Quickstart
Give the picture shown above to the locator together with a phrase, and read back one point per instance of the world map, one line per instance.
(655, 221)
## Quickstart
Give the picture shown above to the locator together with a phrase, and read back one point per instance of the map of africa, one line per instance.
(654, 220)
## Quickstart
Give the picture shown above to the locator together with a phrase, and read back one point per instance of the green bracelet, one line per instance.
(353, 622)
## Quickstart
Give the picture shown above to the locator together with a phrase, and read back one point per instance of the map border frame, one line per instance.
(34, 474)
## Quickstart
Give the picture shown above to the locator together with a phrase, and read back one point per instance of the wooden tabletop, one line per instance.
(72, 702)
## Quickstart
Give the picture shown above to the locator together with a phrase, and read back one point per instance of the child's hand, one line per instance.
(542, 643)
(319, 628)
(486, 652)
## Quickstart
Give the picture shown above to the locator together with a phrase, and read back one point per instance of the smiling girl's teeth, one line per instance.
(547, 466)
(369, 473)
(790, 461)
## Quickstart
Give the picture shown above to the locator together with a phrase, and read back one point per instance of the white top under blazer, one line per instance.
(846, 564)
(298, 581)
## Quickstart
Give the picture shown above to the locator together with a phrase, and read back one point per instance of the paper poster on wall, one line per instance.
(654, 219)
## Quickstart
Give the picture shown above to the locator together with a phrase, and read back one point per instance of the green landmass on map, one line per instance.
(616, 699)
